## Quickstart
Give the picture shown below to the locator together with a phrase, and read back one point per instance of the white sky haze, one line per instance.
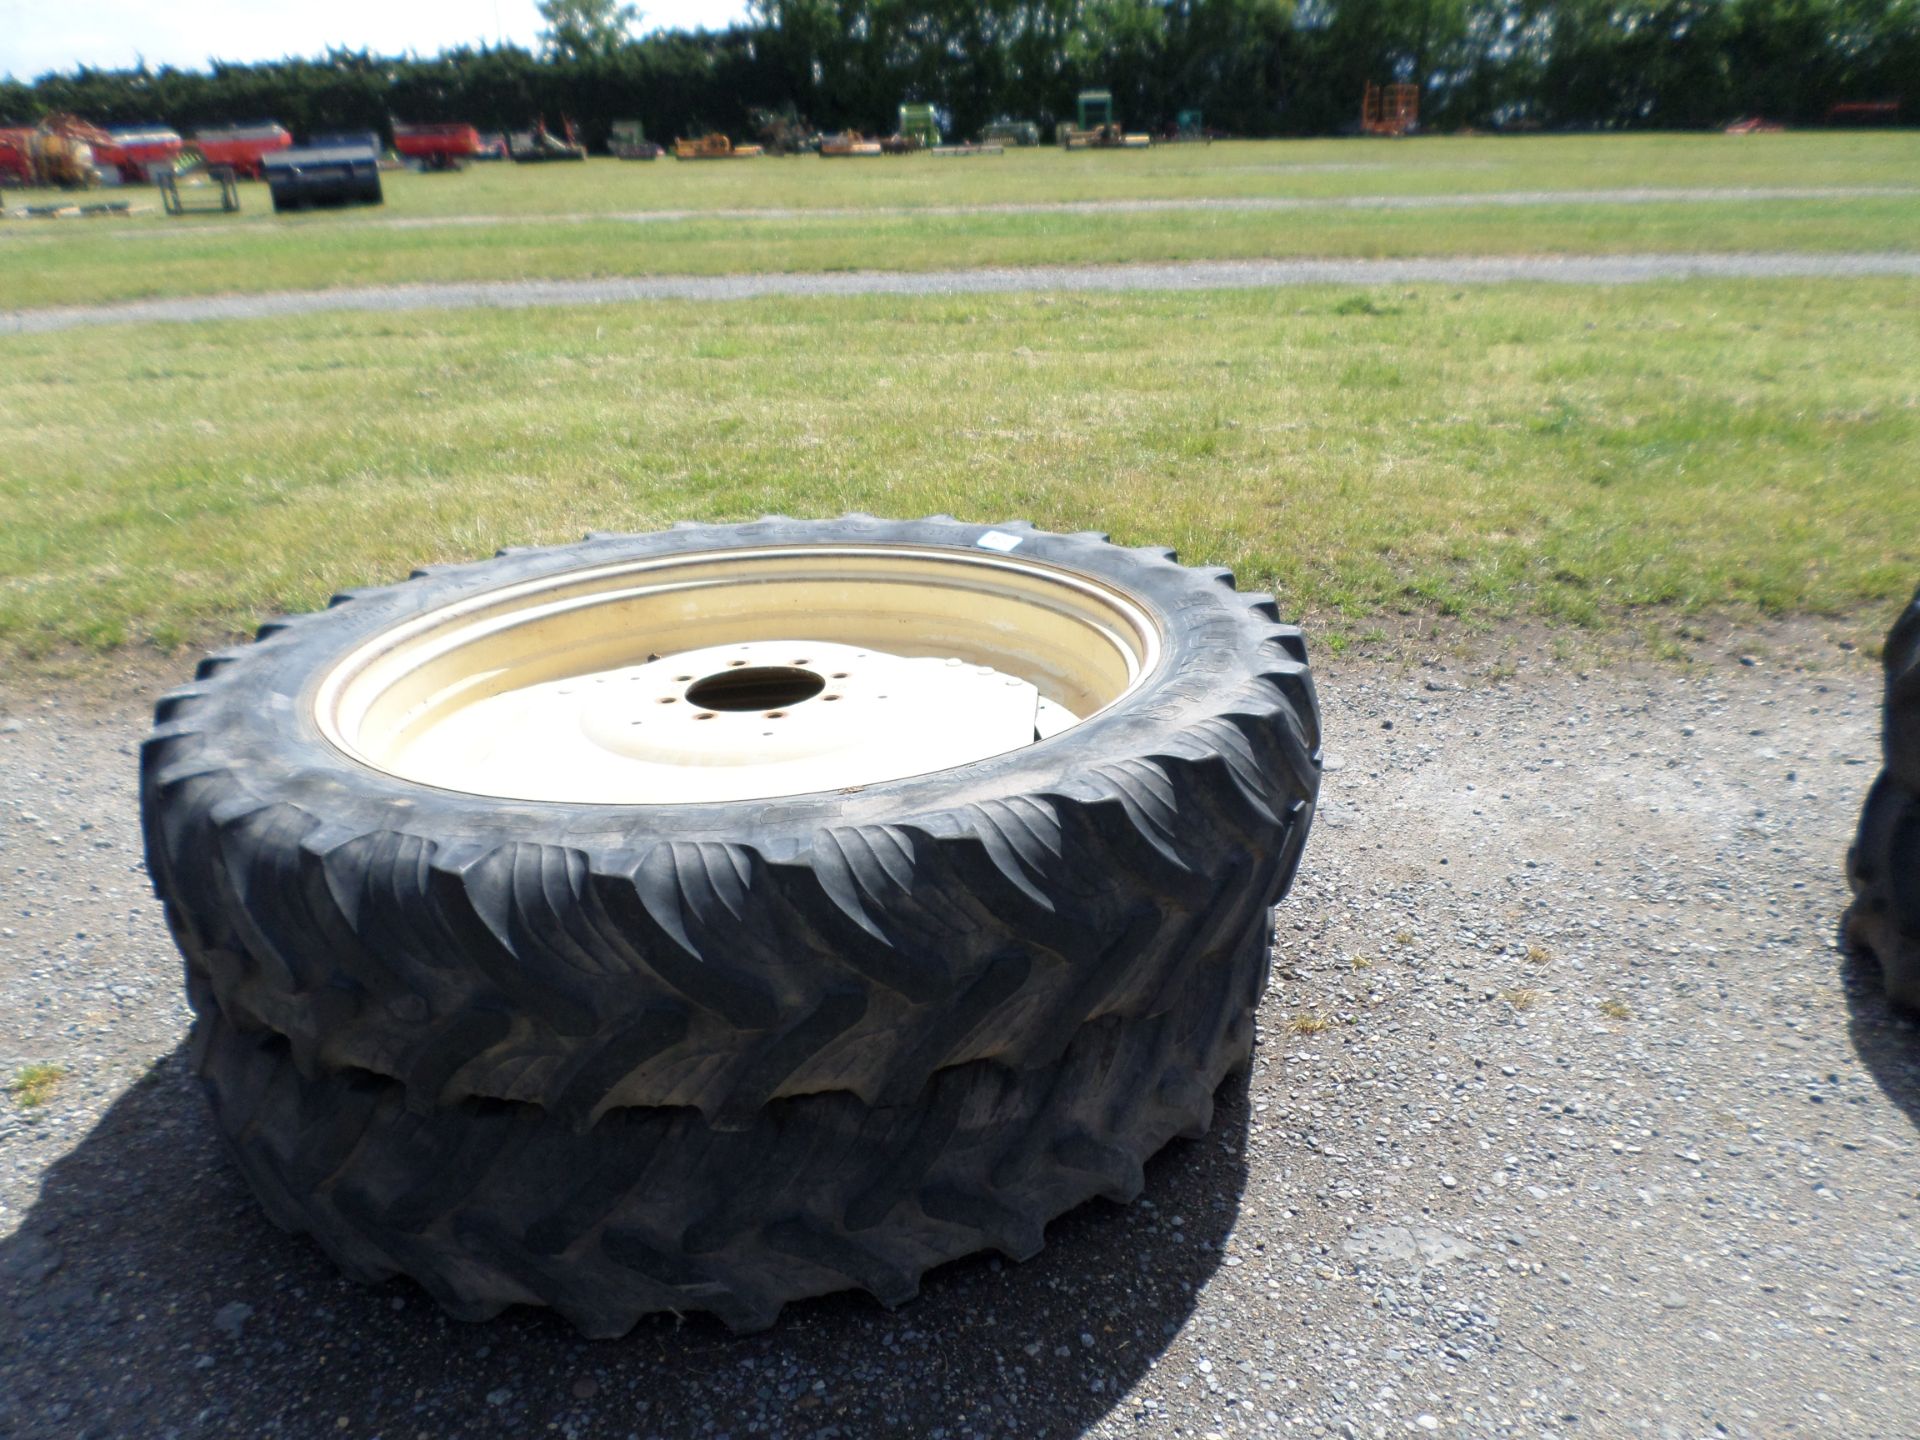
(41, 35)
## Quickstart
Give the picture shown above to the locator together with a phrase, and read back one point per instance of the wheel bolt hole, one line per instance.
(704, 715)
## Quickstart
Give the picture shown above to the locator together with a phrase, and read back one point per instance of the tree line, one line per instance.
(1252, 67)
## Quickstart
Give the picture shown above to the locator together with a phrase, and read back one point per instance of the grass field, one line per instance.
(508, 222)
(1600, 457)
(1573, 455)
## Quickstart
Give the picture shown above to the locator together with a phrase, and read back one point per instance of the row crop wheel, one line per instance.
(708, 919)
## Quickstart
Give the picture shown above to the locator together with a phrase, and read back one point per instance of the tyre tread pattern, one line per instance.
(403, 955)
(616, 1077)
(662, 1211)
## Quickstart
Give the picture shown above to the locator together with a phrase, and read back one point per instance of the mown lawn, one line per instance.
(506, 222)
(1569, 454)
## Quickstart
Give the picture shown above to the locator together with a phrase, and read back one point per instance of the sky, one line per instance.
(41, 35)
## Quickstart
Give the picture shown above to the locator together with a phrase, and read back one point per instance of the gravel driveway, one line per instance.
(1177, 275)
(1603, 1137)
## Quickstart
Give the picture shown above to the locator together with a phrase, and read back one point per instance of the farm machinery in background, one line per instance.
(436, 147)
(714, 146)
(919, 129)
(783, 131)
(1189, 128)
(1097, 127)
(540, 145)
(919, 134)
(1389, 109)
(141, 152)
(61, 152)
(848, 143)
(629, 142)
(198, 189)
(1010, 132)
(244, 147)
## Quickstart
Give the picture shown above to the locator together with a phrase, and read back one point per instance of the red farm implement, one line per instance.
(140, 151)
(60, 151)
(540, 145)
(1390, 109)
(244, 147)
(437, 147)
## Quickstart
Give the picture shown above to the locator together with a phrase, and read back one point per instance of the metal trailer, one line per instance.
(141, 151)
(436, 147)
(244, 147)
(315, 176)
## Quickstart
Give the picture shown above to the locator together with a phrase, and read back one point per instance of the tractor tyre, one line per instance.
(714, 918)
(1900, 720)
(1883, 865)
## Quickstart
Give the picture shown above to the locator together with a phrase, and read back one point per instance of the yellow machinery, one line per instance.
(713, 147)
(59, 152)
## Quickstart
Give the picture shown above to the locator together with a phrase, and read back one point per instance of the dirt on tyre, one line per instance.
(709, 919)
(1883, 865)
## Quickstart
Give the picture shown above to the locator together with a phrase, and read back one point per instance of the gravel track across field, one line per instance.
(1601, 1134)
(1498, 199)
(1181, 275)
(1463, 200)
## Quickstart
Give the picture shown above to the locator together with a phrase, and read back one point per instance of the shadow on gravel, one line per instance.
(147, 1294)
(1887, 1042)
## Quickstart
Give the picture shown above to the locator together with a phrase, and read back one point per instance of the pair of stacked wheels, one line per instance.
(709, 919)
(1884, 863)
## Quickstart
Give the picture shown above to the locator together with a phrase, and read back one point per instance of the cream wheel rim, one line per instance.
(729, 675)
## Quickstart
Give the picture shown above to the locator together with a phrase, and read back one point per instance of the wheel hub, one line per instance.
(666, 680)
(732, 722)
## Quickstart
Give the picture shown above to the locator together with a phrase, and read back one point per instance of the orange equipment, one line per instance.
(1389, 109)
(713, 147)
(850, 142)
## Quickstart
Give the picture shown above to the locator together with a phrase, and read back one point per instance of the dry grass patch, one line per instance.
(33, 1085)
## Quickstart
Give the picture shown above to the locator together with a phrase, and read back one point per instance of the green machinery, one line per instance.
(920, 126)
(1097, 128)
